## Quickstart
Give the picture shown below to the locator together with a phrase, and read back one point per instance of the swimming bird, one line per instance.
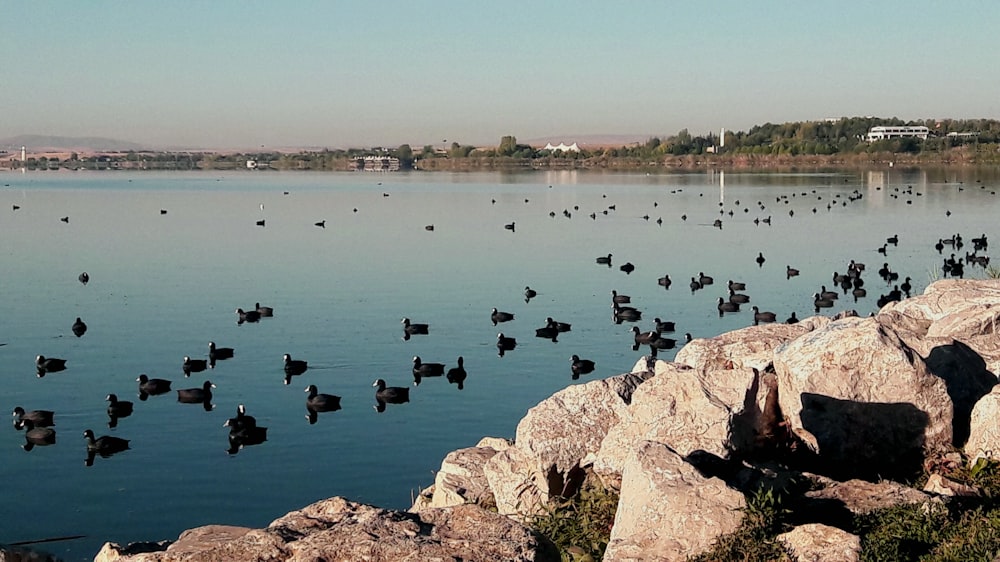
(727, 306)
(193, 365)
(626, 313)
(118, 408)
(457, 375)
(49, 365)
(201, 395)
(152, 387)
(79, 327)
(662, 343)
(529, 294)
(84, 278)
(497, 316)
(65, 219)
(247, 316)
(644, 337)
(413, 329)
(293, 367)
(318, 402)
(760, 259)
(219, 353)
(737, 286)
(390, 394)
(705, 279)
(628, 268)
(321, 224)
(820, 302)
(620, 299)
(263, 310)
(738, 298)
(792, 319)
(906, 287)
(106, 445)
(559, 326)
(548, 332)
(261, 222)
(663, 326)
(831, 295)
(505, 344)
(37, 435)
(605, 260)
(421, 369)
(695, 285)
(509, 226)
(894, 240)
(241, 422)
(41, 418)
(580, 366)
(759, 316)
(244, 431)
(664, 281)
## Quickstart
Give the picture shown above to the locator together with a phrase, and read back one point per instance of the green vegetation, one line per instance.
(764, 518)
(580, 526)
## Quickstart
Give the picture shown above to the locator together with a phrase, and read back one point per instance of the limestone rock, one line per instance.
(984, 437)
(667, 510)
(552, 440)
(860, 496)
(745, 348)
(340, 530)
(948, 296)
(862, 399)
(22, 554)
(461, 479)
(814, 542)
(937, 484)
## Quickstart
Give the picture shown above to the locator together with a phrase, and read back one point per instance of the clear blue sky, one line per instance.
(342, 73)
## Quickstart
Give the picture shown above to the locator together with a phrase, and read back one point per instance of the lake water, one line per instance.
(163, 285)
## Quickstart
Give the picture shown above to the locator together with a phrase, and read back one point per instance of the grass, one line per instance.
(764, 518)
(580, 526)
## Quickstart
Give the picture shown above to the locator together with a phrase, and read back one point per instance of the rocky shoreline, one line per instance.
(835, 412)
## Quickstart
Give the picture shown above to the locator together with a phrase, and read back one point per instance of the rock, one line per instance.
(667, 510)
(552, 440)
(745, 348)
(22, 554)
(814, 542)
(340, 530)
(937, 484)
(984, 432)
(461, 479)
(860, 497)
(863, 400)
(948, 296)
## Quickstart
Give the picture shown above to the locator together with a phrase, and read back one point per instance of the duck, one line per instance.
(497, 316)
(37, 435)
(421, 369)
(548, 332)
(695, 285)
(664, 281)
(604, 260)
(390, 394)
(820, 302)
(737, 286)
(242, 422)
(626, 313)
(727, 306)
(294, 366)
(529, 294)
(317, 402)
(559, 326)
(457, 375)
(792, 319)
(894, 240)
(41, 418)
(509, 226)
(201, 395)
(263, 310)
(79, 327)
(759, 316)
(219, 353)
(49, 364)
(906, 287)
(628, 268)
(790, 272)
(705, 279)
(644, 337)
(193, 365)
(412, 329)
(620, 299)
(823, 293)
(247, 316)
(118, 408)
(505, 344)
(663, 326)
(760, 259)
(105, 445)
(152, 386)
(662, 343)
(738, 298)
(580, 366)
(84, 278)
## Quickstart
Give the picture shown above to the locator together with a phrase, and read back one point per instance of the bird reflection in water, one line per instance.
(244, 431)
(318, 402)
(117, 409)
(105, 446)
(389, 395)
(40, 436)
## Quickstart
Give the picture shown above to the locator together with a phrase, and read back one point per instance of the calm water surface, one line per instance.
(163, 285)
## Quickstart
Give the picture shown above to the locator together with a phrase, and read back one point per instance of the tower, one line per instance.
(722, 138)
(23, 154)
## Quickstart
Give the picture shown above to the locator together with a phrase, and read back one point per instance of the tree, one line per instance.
(405, 155)
(508, 146)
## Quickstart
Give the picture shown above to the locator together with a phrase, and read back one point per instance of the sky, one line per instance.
(338, 74)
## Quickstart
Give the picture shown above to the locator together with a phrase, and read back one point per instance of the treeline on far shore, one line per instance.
(828, 143)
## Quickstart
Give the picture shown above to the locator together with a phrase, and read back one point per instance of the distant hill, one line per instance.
(39, 143)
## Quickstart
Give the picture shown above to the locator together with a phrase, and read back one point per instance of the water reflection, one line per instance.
(104, 446)
(33, 436)
(389, 395)
(318, 402)
(117, 409)
(244, 431)
(152, 387)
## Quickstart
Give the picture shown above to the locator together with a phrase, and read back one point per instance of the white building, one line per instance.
(563, 147)
(883, 133)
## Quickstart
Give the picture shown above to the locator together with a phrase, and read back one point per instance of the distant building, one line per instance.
(883, 133)
(375, 164)
(251, 164)
(563, 147)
